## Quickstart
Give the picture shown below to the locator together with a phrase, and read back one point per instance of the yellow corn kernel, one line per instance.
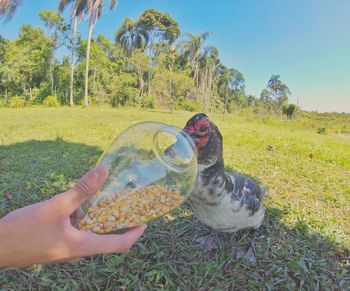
(130, 208)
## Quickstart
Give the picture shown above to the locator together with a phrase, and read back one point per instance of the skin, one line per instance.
(45, 232)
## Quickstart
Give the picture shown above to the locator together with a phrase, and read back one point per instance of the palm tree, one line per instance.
(8, 8)
(191, 48)
(130, 36)
(207, 63)
(93, 9)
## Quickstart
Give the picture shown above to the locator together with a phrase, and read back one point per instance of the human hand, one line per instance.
(43, 232)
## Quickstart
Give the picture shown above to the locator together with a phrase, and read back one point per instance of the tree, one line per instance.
(237, 85)
(171, 87)
(62, 73)
(275, 94)
(93, 9)
(191, 48)
(106, 61)
(58, 29)
(73, 40)
(3, 47)
(207, 63)
(8, 8)
(131, 36)
(230, 83)
(289, 110)
(140, 63)
(159, 27)
(61, 6)
(25, 62)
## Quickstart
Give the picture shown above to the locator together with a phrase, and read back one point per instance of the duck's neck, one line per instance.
(214, 173)
(212, 169)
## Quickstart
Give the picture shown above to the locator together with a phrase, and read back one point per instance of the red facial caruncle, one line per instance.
(199, 132)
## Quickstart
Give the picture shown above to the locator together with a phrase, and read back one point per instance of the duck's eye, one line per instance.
(203, 128)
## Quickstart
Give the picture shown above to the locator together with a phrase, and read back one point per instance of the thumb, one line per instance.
(86, 187)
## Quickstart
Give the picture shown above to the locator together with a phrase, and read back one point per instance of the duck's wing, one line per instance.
(244, 189)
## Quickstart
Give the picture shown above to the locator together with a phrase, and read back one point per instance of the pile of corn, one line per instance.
(130, 208)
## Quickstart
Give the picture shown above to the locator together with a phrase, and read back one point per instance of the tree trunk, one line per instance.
(149, 74)
(50, 69)
(30, 94)
(149, 85)
(203, 89)
(71, 101)
(210, 86)
(171, 101)
(91, 27)
(94, 80)
(141, 90)
(225, 109)
(196, 78)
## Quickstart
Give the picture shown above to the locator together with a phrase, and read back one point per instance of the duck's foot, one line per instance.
(247, 252)
(211, 241)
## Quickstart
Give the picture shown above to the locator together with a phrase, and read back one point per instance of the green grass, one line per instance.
(304, 242)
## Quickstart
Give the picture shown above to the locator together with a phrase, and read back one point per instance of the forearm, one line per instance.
(26, 239)
(11, 244)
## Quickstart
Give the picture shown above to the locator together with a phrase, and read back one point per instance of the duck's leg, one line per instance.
(247, 252)
(212, 241)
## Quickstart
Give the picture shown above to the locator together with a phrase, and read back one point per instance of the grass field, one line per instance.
(304, 242)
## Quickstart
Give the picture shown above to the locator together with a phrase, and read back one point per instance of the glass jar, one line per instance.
(152, 170)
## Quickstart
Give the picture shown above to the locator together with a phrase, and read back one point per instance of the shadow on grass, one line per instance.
(35, 170)
(289, 258)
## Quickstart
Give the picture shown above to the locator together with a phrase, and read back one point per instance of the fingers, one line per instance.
(110, 243)
(86, 187)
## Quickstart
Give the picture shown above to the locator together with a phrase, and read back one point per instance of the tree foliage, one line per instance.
(148, 64)
(159, 25)
(131, 36)
(275, 94)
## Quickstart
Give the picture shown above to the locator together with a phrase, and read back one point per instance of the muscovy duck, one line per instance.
(226, 202)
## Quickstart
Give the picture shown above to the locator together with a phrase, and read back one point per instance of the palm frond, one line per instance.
(205, 35)
(8, 8)
(112, 4)
(63, 4)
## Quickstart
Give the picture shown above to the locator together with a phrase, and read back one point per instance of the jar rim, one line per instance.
(180, 138)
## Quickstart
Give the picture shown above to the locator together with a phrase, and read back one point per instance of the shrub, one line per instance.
(188, 106)
(91, 101)
(17, 102)
(149, 102)
(289, 110)
(269, 120)
(39, 94)
(51, 101)
(3, 103)
(321, 130)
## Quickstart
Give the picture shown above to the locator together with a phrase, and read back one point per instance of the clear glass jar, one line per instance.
(152, 170)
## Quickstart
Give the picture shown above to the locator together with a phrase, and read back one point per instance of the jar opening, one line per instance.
(173, 149)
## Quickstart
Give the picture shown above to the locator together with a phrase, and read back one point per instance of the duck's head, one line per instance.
(207, 138)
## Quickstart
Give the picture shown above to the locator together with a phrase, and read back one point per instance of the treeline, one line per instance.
(150, 63)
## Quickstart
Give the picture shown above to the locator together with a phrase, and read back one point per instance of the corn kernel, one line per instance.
(130, 208)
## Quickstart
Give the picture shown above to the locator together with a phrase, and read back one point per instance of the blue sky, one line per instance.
(307, 42)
